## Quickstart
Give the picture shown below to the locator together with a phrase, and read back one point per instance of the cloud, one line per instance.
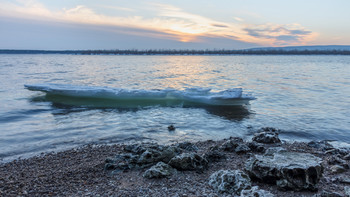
(280, 34)
(238, 19)
(220, 25)
(117, 8)
(166, 22)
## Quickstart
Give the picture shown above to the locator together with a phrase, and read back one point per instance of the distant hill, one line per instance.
(303, 48)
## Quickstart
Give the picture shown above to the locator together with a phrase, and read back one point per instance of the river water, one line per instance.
(307, 97)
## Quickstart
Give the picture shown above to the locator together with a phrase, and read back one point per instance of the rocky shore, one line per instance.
(264, 166)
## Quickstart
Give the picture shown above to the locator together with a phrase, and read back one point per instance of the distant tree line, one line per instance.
(181, 52)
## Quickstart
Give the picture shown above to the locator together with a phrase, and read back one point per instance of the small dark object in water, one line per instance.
(171, 128)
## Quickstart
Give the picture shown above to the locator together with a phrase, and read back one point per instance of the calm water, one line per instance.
(306, 96)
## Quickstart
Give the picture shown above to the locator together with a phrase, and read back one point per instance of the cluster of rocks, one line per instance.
(268, 163)
(164, 160)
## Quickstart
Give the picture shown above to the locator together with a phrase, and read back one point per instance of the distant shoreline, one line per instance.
(180, 52)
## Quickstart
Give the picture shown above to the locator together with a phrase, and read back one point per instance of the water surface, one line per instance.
(308, 97)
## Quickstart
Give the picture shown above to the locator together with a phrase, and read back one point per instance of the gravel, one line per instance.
(80, 172)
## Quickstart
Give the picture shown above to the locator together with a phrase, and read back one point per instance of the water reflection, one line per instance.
(64, 107)
(234, 113)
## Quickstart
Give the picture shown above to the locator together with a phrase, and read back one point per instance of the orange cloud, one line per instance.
(173, 21)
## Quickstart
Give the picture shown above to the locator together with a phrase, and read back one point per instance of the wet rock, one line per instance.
(159, 170)
(267, 136)
(138, 148)
(347, 157)
(255, 192)
(229, 181)
(242, 148)
(141, 156)
(335, 160)
(231, 144)
(331, 151)
(347, 191)
(151, 156)
(288, 170)
(271, 151)
(171, 128)
(268, 129)
(344, 179)
(214, 156)
(121, 162)
(188, 146)
(336, 169)
(322, 145)
(313, 144)
(189, 161)
(328, 194)
(160, 153)
(256, 147)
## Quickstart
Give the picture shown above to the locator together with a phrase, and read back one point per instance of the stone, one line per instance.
(266, 137)
(323, 145)
(231, 144)
(137, 148)
(121, 162)
(288, 170)
(152, 156)
(328, 194)
(314, 144)
(344, 179)
(189, 161)
(347, 157)
(256, 147)
(159, 170)
(347, 191)
(335, 160)
(268, 129)
(255, 192)
(188, 146)
(214, 156)
(229, 181)
(336, 169)
(171, 128)
(331, 151)
(141, 156)
(242, 148)
(271, 151)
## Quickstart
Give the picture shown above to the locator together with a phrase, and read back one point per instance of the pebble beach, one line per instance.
(86, 171)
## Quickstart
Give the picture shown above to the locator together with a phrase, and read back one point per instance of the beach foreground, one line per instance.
(93, 170)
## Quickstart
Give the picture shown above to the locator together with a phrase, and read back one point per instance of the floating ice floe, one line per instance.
(109, 97)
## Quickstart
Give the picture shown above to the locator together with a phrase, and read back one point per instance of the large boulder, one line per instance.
(189, 161)
(159, 170)
(288, 170)
(230, 181)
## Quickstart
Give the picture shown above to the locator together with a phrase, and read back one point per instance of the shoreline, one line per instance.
(81, 172)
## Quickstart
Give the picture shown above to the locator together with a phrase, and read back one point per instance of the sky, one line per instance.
(172, 24)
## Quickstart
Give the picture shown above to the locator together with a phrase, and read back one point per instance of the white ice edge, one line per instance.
(201, 95)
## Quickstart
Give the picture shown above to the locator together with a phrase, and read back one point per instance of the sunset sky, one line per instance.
(180, 24)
